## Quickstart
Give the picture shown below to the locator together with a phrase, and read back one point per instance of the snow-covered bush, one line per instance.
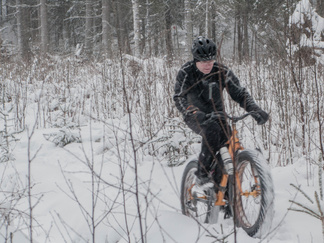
(63, 137)
(307, 40)
(176, 143)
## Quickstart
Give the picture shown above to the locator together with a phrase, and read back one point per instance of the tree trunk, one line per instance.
(239, 37)
(320, 8)
(3, 10)
(106, 36)
(44, 27)
(188, 27)
(234, 38)
(143, 37)
(66, 28)
(245, 50)
(168, 36)
(22, 31)
(118, 26)
(213, 22)
(126, 34)
(122, 28)
(88, 29)
(147, 32)
(137, 27)
(207, 21)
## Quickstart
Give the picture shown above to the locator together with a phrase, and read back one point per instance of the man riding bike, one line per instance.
(198, 92)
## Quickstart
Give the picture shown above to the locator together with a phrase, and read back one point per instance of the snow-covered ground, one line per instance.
(63, 195)
(94, 191)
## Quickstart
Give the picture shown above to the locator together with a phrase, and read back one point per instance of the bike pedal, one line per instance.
(190, 207)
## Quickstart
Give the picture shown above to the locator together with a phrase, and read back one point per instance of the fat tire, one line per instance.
(187, 180)
(262, 224)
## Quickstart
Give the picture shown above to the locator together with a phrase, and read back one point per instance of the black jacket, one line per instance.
(204, 91)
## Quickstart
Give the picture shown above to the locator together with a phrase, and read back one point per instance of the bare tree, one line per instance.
(245, 19)
(188, 26)
(106, 36)
(22, 30)
(3, 10)
(147, 29)
(88, 28)
(137, 26)
(121, 25)
(104, 22)
(242, 22)
(44, 26)
(168, 25)
(207, 19)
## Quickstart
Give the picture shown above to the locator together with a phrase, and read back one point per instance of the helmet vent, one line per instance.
(203, 49)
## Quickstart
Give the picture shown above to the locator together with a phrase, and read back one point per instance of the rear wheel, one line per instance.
(254, 202)
(195, 203)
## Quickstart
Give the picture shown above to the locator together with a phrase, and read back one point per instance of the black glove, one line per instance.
(199, 116)
(194, 114)
(194, 120)
(260, 116)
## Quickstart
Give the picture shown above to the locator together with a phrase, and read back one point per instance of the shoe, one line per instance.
(203, 183)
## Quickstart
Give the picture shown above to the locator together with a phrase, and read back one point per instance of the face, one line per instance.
(205, 66)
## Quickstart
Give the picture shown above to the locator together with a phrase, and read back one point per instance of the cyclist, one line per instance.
(198, 92)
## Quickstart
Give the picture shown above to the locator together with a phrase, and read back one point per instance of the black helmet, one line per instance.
(203, 49)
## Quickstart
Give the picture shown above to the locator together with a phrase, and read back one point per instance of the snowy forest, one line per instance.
(92, 148)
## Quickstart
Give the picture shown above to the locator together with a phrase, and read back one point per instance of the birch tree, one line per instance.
(44, 27)
(137, 25)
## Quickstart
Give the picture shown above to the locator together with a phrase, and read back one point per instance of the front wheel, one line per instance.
(254, 195)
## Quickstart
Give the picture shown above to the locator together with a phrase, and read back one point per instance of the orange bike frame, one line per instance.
(233, 146)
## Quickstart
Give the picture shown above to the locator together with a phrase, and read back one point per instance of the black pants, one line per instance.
(215, 133)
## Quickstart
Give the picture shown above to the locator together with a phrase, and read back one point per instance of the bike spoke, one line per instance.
(250, 196)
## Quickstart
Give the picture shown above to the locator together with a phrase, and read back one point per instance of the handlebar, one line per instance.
(224, 115)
